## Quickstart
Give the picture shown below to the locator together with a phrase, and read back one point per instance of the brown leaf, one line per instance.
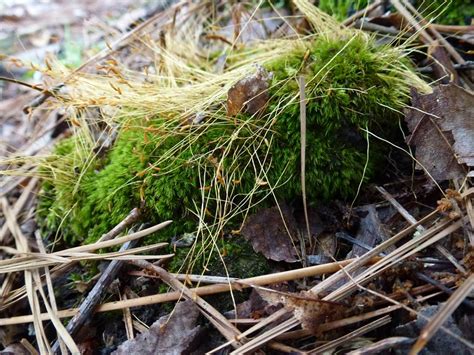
(442, 130)
(250, 94)
(306, 307)
(168, 335)
(371, 231)
(267, 233)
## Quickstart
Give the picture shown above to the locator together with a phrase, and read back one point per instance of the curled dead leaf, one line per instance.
(250, 94)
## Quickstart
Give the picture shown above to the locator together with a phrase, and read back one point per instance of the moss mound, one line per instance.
(207, 176)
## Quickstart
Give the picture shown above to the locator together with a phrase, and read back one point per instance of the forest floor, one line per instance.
(385, 268)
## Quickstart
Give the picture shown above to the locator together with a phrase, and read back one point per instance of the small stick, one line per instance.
(372, 27)
(468, 65)
(127, 320)
(442, 287)
(31, 349)
(453, 29)
(90, 302)
(132, 217)
(380, 346)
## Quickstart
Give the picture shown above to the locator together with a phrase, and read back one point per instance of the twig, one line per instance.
(468, 65)
(28, 85)
(338, 324)
(90, 302)
(373, 27)
(442, 287)
(127, 319)
(265, 337)
(452, 29)
(380, 346)
(132, 217)
(31, 349)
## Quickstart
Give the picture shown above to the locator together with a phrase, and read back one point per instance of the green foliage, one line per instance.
(454, 12)
(346, 92)
(341, 9)
(350, 84)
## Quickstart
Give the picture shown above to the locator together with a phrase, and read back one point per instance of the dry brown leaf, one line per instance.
(250, 94)
(306, 307)
(168, 335)
(442, 130)
(267, 233)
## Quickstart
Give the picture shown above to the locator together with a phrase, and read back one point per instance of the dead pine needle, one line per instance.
(302, 85)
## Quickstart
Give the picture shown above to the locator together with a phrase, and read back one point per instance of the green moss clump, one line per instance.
(219, 169)
(341, 9)
(345, 92)
(454, 12)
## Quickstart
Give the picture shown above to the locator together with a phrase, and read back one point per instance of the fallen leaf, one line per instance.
(371, 231)
(442, 130)
(266, 232)
(175, 334)
(250, 94)
(306, 307)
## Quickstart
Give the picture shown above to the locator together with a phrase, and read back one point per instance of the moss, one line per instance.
(220, 163)
(347, 92)
(454, 12)
(341, 9)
